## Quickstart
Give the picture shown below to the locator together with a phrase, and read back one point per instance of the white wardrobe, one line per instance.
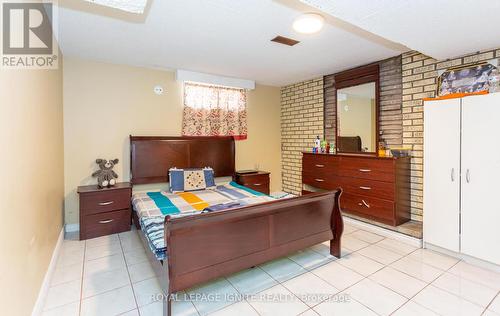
(462, 175)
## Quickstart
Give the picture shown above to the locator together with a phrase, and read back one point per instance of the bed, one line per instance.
(193, 245)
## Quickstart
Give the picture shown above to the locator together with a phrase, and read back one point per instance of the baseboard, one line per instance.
(416, 242)
(44, 289)
(466, 258)
(71, 228)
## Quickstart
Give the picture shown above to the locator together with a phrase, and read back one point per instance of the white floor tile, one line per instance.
(367, 236)
(349, 229)
(63, 294)
(110, 303)
(434, 259)
(72, 309)
(479, 275)
(376, 297)
(380, 254)
(67, 273)
(131, 243)
(399, 282)
(338, 275)
(147, 291)
(72, 245)
(105, 281)
(252, 281)
(445, 303)
(178, 309)
(396, 246)
(103, 264)
(309, 312)
(310, 289)
(352, 243)
(417, 269)
(360, 264)
(343, 308)
(495, 305)
(183, 306)
(107, 240)
(309, 259)
(277, 301)
(213, 296)
(141, 271)
(471, 291)
(283, 269)
(134, 312)
(103, 251)
(489, 312)
(70, 257)
(413, 309)
(154, 309)
(240, 309)
(136, 256)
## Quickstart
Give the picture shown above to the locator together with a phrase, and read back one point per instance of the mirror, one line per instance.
(357, 119)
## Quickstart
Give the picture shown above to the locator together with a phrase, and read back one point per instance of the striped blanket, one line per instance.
(152, 207)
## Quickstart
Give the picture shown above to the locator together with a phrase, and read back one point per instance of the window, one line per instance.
(214, 111)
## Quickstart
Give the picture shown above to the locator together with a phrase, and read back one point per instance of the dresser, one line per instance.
(376, 188)
(104, 211)
(258, 181)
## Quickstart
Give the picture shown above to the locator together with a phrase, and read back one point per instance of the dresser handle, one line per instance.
(320, 166)
(319, 180)
(365, 188)
(364, 203)
(107, 221)
(257, 184)
(365, 170)
(106, 203)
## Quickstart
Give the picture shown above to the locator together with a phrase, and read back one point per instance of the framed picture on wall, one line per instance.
(466, 79)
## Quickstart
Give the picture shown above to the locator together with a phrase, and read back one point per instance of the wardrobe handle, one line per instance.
(365, 188)
(320, 166)
(467, 176)
(319, 180)
(452, 174)
(365, 170)
(364, 203)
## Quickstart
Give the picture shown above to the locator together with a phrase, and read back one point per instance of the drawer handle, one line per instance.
(364, 204)
(365, 170)
(106, 221)
(106, 203)
(257, 184)
(319, 180)
(320, 166)
(365, 188)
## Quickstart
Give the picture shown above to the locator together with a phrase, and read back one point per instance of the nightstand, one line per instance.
(258, 181)
(104, 211)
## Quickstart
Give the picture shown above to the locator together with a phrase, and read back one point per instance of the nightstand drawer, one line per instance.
(105, 223)
(105, 201)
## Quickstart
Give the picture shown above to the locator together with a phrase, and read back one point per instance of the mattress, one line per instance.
(152, 207)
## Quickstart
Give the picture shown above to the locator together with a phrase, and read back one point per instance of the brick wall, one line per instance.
(301, 121)
(391, 129)
(420, 75)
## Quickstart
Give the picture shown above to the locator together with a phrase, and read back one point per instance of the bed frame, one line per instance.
(207, 246)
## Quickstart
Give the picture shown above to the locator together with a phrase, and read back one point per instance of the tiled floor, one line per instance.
(376, 276)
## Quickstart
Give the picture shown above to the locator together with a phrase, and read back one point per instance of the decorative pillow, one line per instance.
(191, 179)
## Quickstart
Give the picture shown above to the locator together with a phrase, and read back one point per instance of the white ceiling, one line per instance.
(438, 28)
(223, 37)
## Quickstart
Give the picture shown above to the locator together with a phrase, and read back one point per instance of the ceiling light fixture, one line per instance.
(308, 23)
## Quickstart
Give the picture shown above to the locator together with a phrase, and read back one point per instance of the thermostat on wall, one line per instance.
(158, 90)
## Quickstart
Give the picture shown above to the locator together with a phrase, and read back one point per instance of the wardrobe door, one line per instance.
(441, 173)
(481, 177)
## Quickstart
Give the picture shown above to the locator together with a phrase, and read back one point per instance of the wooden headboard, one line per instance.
(152, 156)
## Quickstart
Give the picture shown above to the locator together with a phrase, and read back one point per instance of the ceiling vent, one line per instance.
(285, 40)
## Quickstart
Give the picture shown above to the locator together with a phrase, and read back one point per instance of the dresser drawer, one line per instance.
(366, 187)
(320, 180)
(319, 164)
(260, 179)
(369, 207)
(259, 187)
(105, 223)
(98, 202)
(368, 168)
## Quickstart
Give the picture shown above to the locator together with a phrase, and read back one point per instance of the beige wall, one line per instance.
(104, 103)
(31, 166)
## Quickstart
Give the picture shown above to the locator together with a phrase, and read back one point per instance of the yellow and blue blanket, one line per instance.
(152, 207)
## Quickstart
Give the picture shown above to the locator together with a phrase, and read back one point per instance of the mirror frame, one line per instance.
(354, 77)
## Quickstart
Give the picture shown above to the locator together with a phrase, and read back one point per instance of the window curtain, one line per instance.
(214, 111)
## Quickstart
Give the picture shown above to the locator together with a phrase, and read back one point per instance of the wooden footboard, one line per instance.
(204, 247)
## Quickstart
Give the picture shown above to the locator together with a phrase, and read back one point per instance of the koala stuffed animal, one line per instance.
(105, 175)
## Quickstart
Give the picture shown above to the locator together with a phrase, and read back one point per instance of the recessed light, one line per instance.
(308, 23)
